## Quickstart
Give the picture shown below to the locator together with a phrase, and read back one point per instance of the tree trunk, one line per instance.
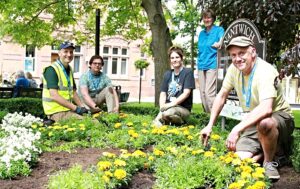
(161, 41)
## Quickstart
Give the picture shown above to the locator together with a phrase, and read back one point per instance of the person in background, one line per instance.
(96, 88)
(268, 124)
(59, 88)
(208, 42)
(32, 82)
(21, 82)
(176, 96)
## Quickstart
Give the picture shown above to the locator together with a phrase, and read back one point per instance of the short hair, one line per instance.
(177, 50)
(209, 13)
(20, 73)
(28, 75)
(96, 57)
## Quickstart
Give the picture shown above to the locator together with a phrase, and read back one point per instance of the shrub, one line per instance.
(296, 150)
(30, 105)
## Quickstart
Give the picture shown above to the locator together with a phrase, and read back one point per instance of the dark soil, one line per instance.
(50, 162)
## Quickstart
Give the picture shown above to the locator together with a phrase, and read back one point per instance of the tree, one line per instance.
(186, 18)
(45, 22)
(277, 20)
(141, 64)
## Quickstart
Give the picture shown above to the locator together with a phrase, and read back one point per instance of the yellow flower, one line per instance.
(260, 170)
(246, 168)
(124, 151)
(34, 126)
(117, 125)
(119, 162)
(108, 173)
(150, 158)
(104, 165)
(186, 132)
(81, 125)
(96, 115)
(57, 127)
(195, 152)
(158, 152)
(50, 134)
(131, 131)
(208, 154)
(190, 137)
(257, 175)
(236, 161)
(191, 126)
(245, 175)
(135, 135)
(125, 156)
(129, 124)
(228, 160)
(65, 126)
(108, 154)
(82, 128)
(105, 178)
(138, 153)
(213, 149)
(123, 115)
(120, 174)
(144, 131)
(215, 137)
(235, 185)
(144, 124)
(259, 185)
(71, 129)
(173, 150)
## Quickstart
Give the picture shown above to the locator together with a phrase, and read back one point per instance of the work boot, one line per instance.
(271, 170)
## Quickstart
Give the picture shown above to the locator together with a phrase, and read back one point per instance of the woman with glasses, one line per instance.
(208, 43)
(96, 87)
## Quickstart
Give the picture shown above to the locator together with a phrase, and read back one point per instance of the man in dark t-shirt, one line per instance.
(176, 96)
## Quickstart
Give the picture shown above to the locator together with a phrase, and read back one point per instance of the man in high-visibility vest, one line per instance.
(60, 99)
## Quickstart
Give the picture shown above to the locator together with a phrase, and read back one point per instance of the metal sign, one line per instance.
(240, 27)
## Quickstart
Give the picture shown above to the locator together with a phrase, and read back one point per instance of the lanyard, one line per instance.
(65, 72)
(247, 94)
(95, 81)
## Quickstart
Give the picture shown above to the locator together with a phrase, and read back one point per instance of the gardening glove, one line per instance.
(81, 110)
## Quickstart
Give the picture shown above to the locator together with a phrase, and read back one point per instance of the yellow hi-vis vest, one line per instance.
(49, 105)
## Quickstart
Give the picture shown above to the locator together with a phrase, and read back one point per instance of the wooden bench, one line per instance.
(8, 92)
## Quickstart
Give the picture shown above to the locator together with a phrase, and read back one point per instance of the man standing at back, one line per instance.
(59, 92)
(268, 124)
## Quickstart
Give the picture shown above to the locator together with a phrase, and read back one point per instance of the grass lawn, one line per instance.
(297, 118)
(197, 108)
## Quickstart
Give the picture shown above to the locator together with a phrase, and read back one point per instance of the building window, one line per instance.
(54, 47)
(124, 51)
(115, 50)
(123, 66)
(105, 50)
(114, 68)
(76, 64)
(116, 63)
(78, 49)
(104, 68)
(29, 62)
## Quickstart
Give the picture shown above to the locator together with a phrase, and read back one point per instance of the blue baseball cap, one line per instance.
(66, 44)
